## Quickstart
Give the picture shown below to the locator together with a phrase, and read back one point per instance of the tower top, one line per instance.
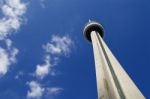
(92, 26)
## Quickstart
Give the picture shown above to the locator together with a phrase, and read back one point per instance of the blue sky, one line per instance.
(43, 54)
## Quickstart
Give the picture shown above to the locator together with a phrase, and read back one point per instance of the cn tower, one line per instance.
(112, 80)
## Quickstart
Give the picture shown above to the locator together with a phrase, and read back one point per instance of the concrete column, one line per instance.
(112, 81)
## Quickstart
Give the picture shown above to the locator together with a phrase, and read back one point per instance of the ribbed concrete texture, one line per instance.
(112, 81)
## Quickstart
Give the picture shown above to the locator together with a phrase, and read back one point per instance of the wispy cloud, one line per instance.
(42, 2)
(12, 12)
(43, 69)
(4, 61)
(36, 90)
(19, 75)
(57, 46)
(7, 57)
(54, 91)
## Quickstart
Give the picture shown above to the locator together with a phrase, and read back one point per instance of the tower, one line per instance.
(112, 81)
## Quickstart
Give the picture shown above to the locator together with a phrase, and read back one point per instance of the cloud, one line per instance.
(4, 61)
(54, 91)
(19, 75)
(12, 16)
(8, 43)
(12, 54)
(7, 57)
(43, 70)
(59, 45)
(13, 11)
(36, 90)
(42, 3)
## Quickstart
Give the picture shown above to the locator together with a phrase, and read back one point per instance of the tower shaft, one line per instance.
(112, 81)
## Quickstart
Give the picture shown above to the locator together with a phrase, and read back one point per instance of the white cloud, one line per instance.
(7, 57)
(13, 11)
(43, 70)
(54, 91)
(12, 16)
(8, 43)
(59, 45)
(36, 90)
(19, 75)
(13, 53)
(4, 61)
(42, 3)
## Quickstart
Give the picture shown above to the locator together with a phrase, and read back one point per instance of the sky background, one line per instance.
(44, 55)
